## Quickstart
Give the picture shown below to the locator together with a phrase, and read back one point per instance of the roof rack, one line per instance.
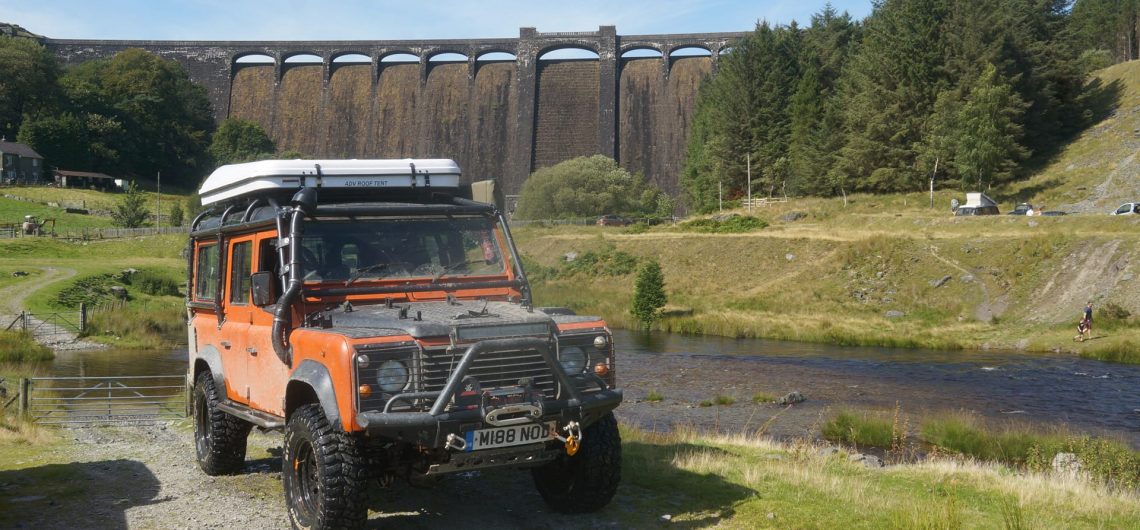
(360, 180)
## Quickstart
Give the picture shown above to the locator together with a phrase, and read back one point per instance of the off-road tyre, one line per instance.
(219, 439)
(587, 481)
(323, 473)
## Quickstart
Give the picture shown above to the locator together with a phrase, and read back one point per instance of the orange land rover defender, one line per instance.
(385, 324)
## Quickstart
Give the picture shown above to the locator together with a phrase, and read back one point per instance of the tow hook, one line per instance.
(573, 438)
(455, 443)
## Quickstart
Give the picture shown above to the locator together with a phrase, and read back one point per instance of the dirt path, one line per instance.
(51, 335)
(147, 477)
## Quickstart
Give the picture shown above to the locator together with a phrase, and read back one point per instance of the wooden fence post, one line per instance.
(82, 317)
(25, 384)
(24, 321)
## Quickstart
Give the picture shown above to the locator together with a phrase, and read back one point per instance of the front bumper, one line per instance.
(431, 428)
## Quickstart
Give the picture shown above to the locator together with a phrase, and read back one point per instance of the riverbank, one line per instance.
(822, 272)
(119, 477)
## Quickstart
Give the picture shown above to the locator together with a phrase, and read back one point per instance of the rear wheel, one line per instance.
(587, 481)
(322, 472)
(219, 439)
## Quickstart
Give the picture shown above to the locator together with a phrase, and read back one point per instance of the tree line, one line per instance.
(965, 92)
(131, 115)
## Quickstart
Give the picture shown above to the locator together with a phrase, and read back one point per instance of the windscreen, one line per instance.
(360, 250)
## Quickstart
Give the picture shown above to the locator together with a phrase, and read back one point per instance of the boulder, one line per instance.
(570, 256)
(870, 461)
(939, 283)
(118, 291)
(1067, 464)
(790, 257)
(895, 314)
(791, 398)
(792, 217)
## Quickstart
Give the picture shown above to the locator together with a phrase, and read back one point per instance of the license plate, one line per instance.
(508, 436)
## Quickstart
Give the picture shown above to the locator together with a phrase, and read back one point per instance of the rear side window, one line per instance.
(240, 262)
(206, 275)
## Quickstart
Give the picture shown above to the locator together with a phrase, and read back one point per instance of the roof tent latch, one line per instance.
(320, 176)
(413, 165)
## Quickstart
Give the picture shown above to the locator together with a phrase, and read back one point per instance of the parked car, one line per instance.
(976, 210)
(613, 220)
(1023, 209)
(1128, 208)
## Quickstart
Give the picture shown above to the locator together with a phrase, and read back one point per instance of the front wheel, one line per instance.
(588, 480)
(219, 439)
(322, 473)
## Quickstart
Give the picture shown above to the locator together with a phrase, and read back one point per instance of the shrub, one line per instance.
(654, 396)
(607, 262)
(733, 224)
(19, 347)
(763, 397)
(724, 401)
(846, 427)
(91, 290)
(588, 187)
(151, 283)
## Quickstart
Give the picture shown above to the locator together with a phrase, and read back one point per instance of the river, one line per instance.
(1047, 390)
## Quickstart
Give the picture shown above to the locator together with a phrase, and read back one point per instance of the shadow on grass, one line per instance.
(652, 486)
(75, 495)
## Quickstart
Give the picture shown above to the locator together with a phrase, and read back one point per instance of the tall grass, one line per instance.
(151, 324)
(17, 347)
(860, 430)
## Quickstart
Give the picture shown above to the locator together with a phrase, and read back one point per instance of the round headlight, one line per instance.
(392, 376)
(362, 361)
(573, 359)
(600, 342)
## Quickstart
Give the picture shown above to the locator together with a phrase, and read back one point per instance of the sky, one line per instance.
(395, 20)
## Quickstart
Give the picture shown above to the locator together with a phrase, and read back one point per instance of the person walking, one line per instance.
(1088, 319)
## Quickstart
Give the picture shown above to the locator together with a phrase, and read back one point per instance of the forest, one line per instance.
(967, 94)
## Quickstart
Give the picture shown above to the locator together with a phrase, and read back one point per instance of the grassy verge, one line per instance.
(18, 347)
(965, 435)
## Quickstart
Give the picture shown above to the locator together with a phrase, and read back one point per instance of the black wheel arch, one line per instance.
(311, 383)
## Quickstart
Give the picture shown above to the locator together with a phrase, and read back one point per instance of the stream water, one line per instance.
(1084, 395)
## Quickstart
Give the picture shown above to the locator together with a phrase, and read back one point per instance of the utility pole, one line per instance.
(748, 161)
(158, 201)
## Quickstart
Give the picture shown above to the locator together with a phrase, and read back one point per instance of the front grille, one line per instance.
(492, 369)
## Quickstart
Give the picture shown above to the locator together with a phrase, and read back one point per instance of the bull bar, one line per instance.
(433, 426)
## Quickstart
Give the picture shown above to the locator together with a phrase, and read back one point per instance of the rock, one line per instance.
(570, 256)
(870, 461)
(1126, 278)
(666, 518)
(791, 398)
(1032, 224)
(939, 283)
(119, 292)
(17, 274)
(790, 257)
(771, 515)
(1067, 464)
(792, 217)
(894, 314)
(968, 278)
(828, 451)
(880, 274)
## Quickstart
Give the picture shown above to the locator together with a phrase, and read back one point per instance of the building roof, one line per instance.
(18, 149)
(87, 174)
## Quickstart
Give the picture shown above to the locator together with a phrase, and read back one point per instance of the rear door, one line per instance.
(238, 316)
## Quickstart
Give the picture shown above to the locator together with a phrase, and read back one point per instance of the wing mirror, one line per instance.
(262, 285)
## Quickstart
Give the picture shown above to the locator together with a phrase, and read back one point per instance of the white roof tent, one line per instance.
(353, 179)
(978, 199)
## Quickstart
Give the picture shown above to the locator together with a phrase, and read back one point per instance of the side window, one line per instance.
(206, 276)
(240, 262)
(1124, 209)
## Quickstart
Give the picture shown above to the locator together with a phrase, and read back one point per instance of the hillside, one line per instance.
(892, 270)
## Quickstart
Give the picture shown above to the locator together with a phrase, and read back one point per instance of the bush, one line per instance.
(90, 290)
(649, 294)
(607, 262)
(655, 396)
(733, 224)
(150, 283)
(864, 431)
(19, 347)
(589, 187)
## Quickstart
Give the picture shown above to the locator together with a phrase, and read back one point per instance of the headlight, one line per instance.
(573, 359)
(392, 376)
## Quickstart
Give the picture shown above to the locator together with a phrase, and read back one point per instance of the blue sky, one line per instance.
(383, 20)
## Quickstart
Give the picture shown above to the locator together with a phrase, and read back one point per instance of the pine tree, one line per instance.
(649, 294)
(131, 211)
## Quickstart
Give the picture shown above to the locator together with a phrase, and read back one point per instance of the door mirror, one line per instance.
(262, 286)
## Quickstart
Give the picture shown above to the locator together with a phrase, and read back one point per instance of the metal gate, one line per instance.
(106, 400)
